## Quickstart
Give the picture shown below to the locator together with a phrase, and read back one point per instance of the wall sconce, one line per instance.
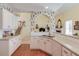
(59, 24)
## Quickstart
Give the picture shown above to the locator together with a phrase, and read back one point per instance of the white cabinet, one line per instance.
(11, 46)
(34, 43)
(45, 45)
(7, 47)
(48, 46)
(42, 44)
(66, 52)
(14, 43)
(9, 20)
(56, 49)
(15, 22)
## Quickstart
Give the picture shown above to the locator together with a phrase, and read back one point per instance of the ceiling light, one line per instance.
(46, 7)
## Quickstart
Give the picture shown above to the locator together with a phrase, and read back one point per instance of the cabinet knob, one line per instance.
(65, 52)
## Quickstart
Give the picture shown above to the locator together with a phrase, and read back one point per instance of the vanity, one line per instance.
(9, 44)
(10, 40)
(56, 44)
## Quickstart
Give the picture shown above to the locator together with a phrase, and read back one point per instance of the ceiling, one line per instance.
(65, 7)
(24, 7)
(28, 7)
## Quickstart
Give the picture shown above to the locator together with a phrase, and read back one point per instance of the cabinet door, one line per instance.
(14, 43)
(17, 42)
(11, 46)
(56, 49)
(43, 45)
(34, 43)
(48, 46)
(65, 52)
(7, 21)
(15, 21)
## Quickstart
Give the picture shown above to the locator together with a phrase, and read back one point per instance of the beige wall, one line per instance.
(72, 13)
(25, 32)
(42, 20)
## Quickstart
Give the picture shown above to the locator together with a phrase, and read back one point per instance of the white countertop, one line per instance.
(8, 38)
(71, 44)
(39, 33)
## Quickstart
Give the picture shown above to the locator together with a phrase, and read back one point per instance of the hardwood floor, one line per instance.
(24, 50)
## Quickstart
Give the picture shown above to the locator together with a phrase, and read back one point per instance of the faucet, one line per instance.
(49, 33)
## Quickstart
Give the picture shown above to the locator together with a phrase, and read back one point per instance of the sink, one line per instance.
(48, 36)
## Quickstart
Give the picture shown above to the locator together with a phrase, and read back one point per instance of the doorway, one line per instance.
(68, 27)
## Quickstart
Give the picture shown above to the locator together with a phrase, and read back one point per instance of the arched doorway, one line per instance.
(39, 15)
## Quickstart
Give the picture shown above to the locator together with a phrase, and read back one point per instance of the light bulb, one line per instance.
(46, 7)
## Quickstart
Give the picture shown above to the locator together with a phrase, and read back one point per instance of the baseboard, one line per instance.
(15, 50)
(25, 42)
(46, 52)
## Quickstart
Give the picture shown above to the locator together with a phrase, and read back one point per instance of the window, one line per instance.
(68, 27)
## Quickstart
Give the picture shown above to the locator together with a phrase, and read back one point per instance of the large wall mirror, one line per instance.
(42, 23)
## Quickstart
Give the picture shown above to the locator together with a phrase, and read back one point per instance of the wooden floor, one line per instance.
(24, 50)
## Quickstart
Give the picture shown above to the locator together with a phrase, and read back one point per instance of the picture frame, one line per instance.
(76, 26)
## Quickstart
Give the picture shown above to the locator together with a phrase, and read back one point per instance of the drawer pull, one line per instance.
(66, 52)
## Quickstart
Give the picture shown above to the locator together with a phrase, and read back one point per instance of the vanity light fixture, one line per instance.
(46, 7)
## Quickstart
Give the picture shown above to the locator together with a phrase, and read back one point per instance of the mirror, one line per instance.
(59, 26)
(42, 23)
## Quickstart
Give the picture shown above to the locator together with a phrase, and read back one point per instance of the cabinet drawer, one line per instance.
(74, 54)
(65, 52)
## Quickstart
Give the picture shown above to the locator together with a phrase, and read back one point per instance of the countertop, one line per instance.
(72, 36)
(7, 38)
(72, 45)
